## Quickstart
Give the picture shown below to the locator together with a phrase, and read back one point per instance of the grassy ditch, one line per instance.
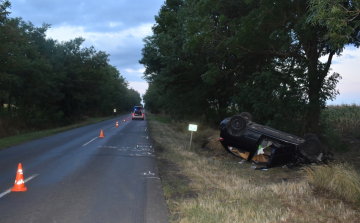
(18, 139)
(206, 184)
(338, 179)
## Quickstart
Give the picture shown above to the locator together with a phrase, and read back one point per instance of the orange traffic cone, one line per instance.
(19, 181)
(128, 118)
(124, 119)
(117, 124)
(101, 134)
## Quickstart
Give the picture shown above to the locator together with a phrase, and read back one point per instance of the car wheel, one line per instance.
(247, 116)
(311, 146)
(236, 125)
(309, 135)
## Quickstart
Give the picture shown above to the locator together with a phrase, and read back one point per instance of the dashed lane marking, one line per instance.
(90, 141)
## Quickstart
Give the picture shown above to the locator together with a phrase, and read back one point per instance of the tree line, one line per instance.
(44, 81)
(209, 59)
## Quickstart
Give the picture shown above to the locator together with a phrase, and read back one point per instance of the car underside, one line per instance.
(267, 146)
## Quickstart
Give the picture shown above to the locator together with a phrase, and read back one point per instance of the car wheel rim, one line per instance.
(237, 124)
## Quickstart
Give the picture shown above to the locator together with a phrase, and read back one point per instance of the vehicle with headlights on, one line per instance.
(138, 113)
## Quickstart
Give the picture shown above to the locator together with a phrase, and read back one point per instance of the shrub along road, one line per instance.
(76, 176)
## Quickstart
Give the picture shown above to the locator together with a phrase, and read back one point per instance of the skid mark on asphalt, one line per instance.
(9, 190)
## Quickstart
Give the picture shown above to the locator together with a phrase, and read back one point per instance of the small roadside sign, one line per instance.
(192, 127)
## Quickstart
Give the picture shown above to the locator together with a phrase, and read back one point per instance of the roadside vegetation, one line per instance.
(210, 59)
(204, 183)
(45, 83)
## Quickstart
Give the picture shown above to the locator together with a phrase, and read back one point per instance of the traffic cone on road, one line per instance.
(124, 119)
(101, 134)
(128, 119)
(117, 124)
(19, 181)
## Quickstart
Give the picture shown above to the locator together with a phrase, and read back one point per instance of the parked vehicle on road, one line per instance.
(138, 113)
(264, 145)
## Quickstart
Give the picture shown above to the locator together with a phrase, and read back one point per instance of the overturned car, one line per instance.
(270, 147)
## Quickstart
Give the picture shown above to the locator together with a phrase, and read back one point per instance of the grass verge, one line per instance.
(206, 184)
(338, 179)
(18, 139)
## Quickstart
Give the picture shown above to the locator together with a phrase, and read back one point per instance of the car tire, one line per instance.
(236, 125)
(311, 146)
(247, 116)
(309, 135)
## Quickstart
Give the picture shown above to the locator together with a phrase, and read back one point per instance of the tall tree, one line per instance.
(259, 56)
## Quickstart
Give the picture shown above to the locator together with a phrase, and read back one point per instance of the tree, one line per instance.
(175, 70)
(44, 82)
(4, 5)
(340, 17)
(257, 56)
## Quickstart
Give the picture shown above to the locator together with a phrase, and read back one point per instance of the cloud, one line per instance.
(91, 14)
(123, 46)
(107, 39)
(114, 26)
(141, 71)
(347, 65)
(140, 87)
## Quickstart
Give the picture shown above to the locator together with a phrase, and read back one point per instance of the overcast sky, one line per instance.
(118, 27)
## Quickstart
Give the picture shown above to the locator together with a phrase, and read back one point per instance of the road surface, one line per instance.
(76, 176)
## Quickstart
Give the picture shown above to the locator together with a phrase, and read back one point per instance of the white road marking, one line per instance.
(90, 141)
(113, 128)
(9, 190)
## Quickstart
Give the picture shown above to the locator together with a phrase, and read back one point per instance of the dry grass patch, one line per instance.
(339, 179)
(214, 143)
(226, 191)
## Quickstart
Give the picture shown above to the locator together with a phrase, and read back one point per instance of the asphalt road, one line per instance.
(76, 176)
